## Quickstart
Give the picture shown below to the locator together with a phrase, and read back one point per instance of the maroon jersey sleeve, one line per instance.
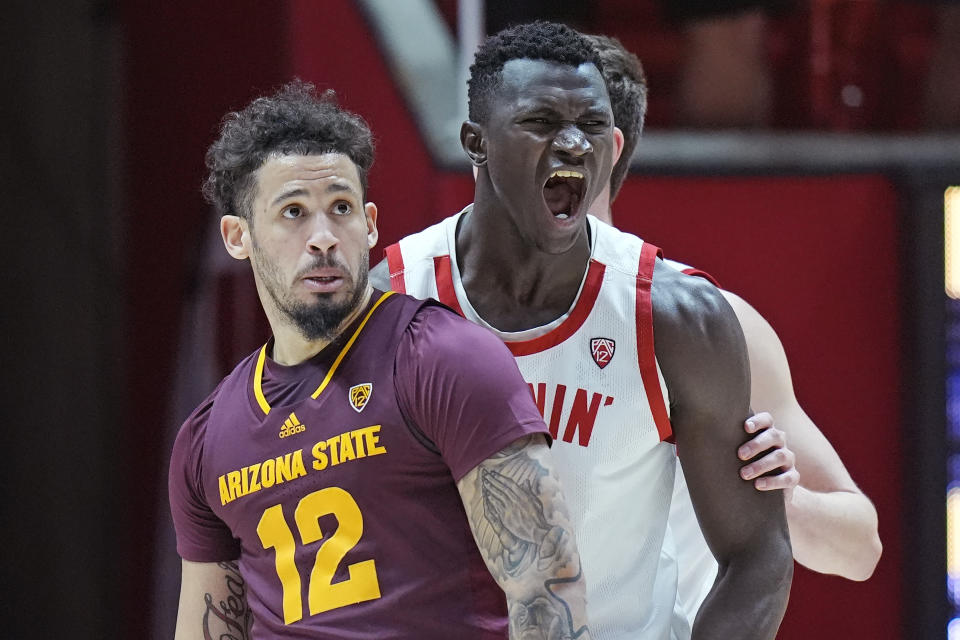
(461, 388)
(201, 535)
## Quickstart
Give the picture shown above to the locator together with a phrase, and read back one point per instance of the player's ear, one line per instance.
(617, 144)
(370, 211)
(236, 236)
(473, 142)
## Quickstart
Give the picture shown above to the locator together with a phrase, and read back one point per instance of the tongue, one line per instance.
(560, 198)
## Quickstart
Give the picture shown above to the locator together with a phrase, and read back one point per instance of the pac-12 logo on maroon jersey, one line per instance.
(359, 394)
(602, 351)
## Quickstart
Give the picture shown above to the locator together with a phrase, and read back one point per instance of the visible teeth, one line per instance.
(562, 216)
(567, 174)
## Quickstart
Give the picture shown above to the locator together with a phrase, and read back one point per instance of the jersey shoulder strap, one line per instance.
(413, 258)
(691, 271)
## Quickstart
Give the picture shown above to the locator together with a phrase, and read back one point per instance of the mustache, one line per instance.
(324, 262)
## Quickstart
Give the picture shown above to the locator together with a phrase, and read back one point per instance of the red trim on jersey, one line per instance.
(646, 355)
(444, 275)
(395, 265)
(582, 308)
(691, 271)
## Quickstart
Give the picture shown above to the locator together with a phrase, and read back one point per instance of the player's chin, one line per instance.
(561, 238)
(345, 296)
(328, 300)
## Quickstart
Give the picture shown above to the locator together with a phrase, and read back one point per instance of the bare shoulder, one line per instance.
(690, 308)
(696, 333)
(380, 276)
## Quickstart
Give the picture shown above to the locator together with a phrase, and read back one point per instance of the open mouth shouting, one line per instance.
(563, 193)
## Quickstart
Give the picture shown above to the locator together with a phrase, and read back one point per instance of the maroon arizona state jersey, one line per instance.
(334, 481)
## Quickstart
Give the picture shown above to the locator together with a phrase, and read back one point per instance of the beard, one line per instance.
(320, 318)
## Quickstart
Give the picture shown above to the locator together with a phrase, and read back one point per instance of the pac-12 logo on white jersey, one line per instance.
(602, 351)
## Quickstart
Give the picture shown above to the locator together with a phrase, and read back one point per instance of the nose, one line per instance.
(570, 140)
(322, 237)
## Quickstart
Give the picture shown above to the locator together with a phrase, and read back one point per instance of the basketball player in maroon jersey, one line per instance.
(378, 469)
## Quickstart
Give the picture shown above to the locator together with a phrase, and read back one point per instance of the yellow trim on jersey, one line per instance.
(257, 377)
(258, 372)
(346, 347)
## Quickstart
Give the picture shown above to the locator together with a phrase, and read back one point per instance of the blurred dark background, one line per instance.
(821, 202)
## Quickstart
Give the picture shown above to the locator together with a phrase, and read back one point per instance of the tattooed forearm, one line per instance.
(516, 515)
(543, 618)
(523, 530)
(228, 619)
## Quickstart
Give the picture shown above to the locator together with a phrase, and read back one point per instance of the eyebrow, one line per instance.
(296, 192)
(537, 102)
(339, 187)
(290, 193)
(550, 104)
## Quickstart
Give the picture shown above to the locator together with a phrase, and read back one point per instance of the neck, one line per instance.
(510, 282)
(290, 347)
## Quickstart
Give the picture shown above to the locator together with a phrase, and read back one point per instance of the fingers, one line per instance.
(494, 501)
(786, 481)
(493, 509)
(770, 438)
(758, 422)
(496, 484)
(783, 459)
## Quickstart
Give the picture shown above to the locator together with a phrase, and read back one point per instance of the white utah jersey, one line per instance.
(594, 376)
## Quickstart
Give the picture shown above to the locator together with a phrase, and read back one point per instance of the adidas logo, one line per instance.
(291, 426)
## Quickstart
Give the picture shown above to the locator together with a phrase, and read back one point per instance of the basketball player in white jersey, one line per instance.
(833, 525)
(578, 303)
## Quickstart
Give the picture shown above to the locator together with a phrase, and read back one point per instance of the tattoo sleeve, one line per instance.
(228, 619)
(522, 527)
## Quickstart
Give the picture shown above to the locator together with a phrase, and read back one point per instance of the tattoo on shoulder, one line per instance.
(521, 527)
(229, 619)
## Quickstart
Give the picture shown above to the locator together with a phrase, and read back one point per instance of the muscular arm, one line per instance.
(522, 528)
(703, 358)
(213, 602)
(833, 525)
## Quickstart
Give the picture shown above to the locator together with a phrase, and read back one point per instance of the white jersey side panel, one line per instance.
(616, 471)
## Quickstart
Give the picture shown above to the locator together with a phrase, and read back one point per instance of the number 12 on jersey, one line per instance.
(322, 593)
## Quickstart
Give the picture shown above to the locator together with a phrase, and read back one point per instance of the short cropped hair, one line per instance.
(538, 40)
(627, 86)
(294, 121)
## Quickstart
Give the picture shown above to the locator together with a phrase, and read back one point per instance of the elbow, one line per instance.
(871, 549)
(871, 556)
(779, 565)
(771, 569)
(785, 563)
(773, 573)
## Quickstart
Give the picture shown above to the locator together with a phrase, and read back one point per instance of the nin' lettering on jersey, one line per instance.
(594, 377)
(342, 506)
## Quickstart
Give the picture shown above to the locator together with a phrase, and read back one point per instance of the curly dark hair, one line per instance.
(534, 40)
(627, 86)
(294, 120)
